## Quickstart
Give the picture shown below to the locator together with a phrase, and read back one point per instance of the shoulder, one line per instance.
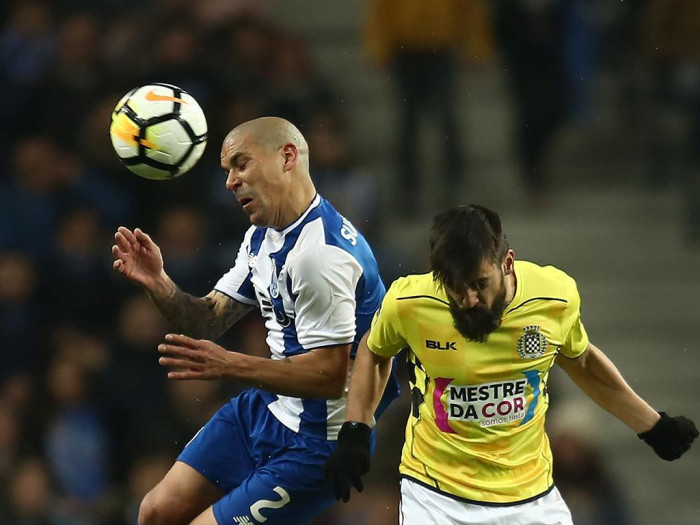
(416, 287)
(547, 282)
(314, 261)
(545, 277)
(328, 234)
(254, 236)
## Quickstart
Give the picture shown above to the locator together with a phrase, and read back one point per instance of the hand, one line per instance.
(137, 257)
(670, 437)
(350, 461)
(195, 358)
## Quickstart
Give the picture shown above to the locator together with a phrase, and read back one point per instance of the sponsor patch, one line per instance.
(489, 403)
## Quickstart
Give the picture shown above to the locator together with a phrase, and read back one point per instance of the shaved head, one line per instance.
(273, 133)
(266, 162)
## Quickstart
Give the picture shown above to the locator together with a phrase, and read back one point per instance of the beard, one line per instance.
(476, 323)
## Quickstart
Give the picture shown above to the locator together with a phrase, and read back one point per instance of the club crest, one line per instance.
(532, 344)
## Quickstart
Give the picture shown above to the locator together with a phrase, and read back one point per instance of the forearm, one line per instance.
(302, 375)
(190, 315)
(603, 383)
(367, 383)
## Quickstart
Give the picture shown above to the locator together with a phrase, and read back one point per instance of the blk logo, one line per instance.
(439, 345)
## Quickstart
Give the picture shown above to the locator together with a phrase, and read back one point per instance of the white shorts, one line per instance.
(422, 506)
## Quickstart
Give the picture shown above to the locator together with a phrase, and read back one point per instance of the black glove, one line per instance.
(671, 437)
(350, 461)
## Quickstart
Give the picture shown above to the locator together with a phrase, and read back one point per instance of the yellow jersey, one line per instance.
(476, 429)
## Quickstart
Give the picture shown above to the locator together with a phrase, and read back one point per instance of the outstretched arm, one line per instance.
(598, 377)
(139, 259)
(320, 373)
(595, 374)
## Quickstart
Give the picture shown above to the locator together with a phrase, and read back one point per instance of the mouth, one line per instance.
(245, 201)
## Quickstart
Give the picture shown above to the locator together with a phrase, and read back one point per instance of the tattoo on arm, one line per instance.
(203, 317)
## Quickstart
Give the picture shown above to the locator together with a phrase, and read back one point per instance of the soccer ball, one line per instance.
(158, 131)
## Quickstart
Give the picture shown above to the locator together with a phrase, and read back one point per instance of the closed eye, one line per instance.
(479, 284)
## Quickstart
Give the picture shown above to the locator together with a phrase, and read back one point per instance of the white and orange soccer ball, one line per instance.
(159, 131)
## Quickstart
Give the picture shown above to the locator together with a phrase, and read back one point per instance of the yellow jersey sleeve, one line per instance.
(576, 340)
(386, 336)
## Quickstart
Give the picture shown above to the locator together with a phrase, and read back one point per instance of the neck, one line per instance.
(299, 202)
(511, 284)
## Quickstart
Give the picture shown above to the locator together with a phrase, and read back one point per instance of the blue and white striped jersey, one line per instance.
(317, 284)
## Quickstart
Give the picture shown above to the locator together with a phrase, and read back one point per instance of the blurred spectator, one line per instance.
(134, 387)
(20, 316)
(27, 204)
(193, 402)
(31, 495)
(671, 39)
(182, 239)
(76, 78)
(337, 174)
(536, 42)
(47, 181)
(27, 46)
(177, 58)
(213, 13)
(81, 347)
(584, 483)
(420, 44)
(77, 446)
(10, 433)
(580, 472)
(16, 393)
(246, 47)
(79, 290)
(296, 90)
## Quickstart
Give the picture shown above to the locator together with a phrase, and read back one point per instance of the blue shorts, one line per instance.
(270, 473)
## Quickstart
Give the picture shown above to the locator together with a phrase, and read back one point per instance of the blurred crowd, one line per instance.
(88, 420)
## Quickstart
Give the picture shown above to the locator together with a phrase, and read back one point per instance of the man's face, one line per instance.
(477, 308)
(254, 176)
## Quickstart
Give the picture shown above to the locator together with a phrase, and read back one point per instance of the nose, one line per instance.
(232, 181)
(470, 299)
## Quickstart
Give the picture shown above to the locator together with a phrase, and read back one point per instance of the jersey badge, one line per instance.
(532, 344)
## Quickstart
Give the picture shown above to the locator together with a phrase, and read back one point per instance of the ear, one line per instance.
(509, 262)
(291, 156)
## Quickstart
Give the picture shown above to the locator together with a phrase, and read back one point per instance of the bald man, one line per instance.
(316, 282)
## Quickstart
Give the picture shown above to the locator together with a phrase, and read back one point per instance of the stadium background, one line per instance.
(88, 422)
